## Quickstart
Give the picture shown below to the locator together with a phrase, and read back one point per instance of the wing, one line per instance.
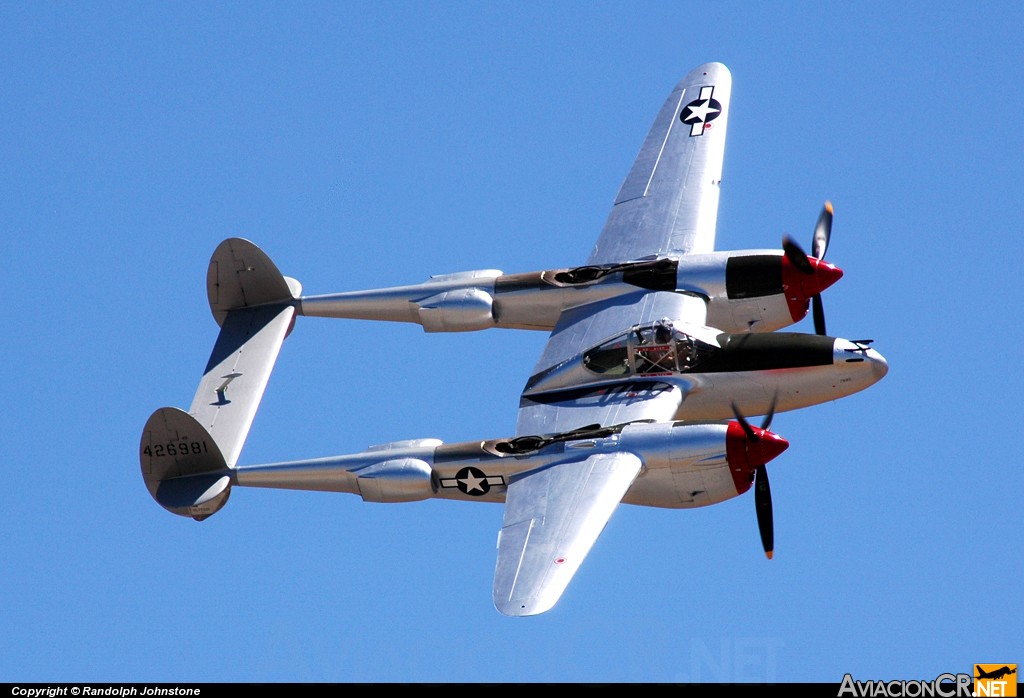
(668, 204)
(581, 328)
(552, 518)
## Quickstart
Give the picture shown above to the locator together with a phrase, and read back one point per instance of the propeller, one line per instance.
(824, 274)
(763, 446)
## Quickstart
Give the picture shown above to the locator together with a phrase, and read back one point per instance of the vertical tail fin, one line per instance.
(182, 466)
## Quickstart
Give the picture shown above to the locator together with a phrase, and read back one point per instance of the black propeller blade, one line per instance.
(747, 429)
(796, 255)
(819, 315)
(763, 504)
(767, 422)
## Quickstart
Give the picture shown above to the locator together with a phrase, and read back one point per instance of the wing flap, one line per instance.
(552, 519)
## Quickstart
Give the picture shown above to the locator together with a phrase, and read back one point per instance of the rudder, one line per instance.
(182, 466)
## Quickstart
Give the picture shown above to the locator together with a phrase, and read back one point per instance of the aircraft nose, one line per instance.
(861, 358)
(879, 366)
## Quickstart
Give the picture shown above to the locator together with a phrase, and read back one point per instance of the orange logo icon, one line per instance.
(995, 680)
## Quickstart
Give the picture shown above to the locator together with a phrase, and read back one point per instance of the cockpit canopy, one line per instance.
(657, 349)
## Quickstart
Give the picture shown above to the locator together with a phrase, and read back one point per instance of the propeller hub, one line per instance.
(825, 274)
(746, 454)
(800, 285)
(768, 446)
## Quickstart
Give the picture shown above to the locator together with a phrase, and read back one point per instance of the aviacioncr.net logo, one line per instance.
(944, 686)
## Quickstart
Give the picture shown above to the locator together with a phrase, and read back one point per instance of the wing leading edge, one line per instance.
(668, 204)
(552, 518)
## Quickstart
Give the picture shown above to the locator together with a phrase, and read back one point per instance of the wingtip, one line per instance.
(828, 206)
(719, 70)
(512, 610)
(769, 553)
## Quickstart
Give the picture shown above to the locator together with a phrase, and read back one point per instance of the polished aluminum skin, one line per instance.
(659, 346)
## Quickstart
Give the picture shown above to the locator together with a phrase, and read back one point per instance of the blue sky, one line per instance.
(371, 144)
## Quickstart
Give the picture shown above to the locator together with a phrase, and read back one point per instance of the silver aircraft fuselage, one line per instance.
(683, 465)
(713, 371)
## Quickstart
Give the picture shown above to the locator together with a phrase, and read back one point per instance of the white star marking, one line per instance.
(702, 110)
(472, 482)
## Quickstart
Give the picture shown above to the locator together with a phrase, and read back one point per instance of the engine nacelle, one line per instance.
(748, 301)
(749, 290)
(745, 291)
(458, 310)
(694, 465)
(397, 480)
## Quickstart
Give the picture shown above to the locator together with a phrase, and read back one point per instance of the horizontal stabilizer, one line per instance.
(254, 305)
(182, 466)
(237, 374)
(187, 458)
